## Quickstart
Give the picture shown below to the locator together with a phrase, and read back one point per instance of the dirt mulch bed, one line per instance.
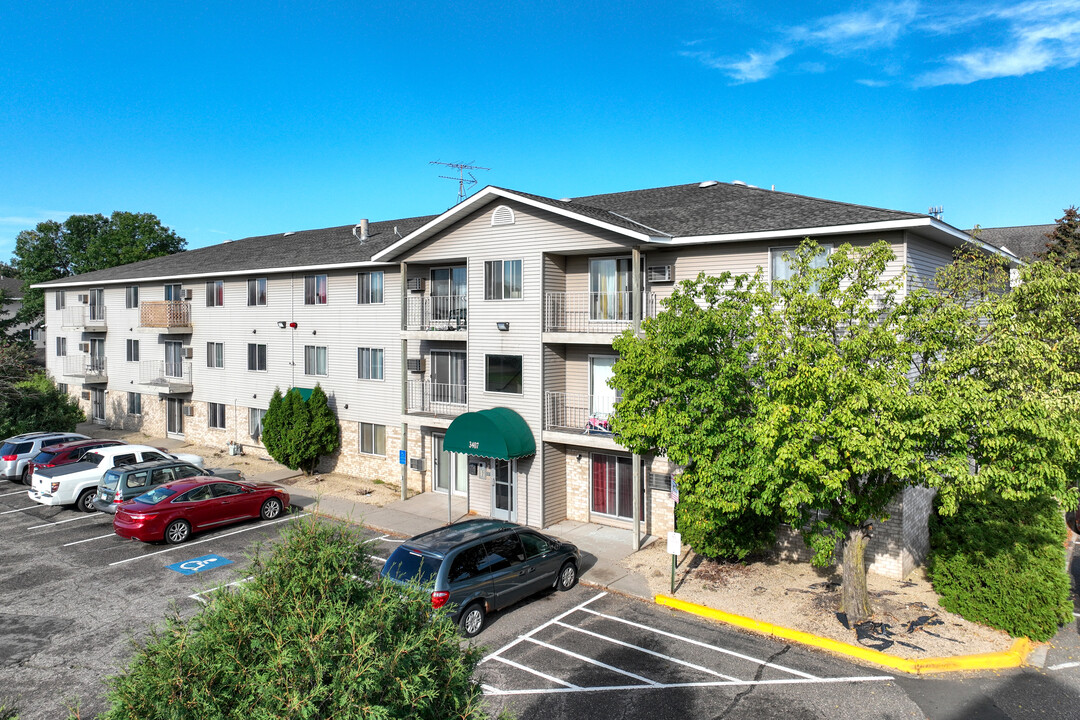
(908, 622)
(347, 487)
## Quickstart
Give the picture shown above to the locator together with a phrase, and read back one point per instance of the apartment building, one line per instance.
(466, 352)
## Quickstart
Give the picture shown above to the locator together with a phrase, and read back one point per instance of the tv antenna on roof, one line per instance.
(936, 211)
(461, 179)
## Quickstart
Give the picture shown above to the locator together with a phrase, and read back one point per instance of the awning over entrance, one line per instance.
(498, 433)
(305, 393)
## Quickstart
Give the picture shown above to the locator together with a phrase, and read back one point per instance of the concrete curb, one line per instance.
(1011, 658)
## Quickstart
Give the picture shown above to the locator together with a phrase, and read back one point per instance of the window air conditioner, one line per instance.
(187, 293)
(189, 353)
(416, 284)
(84, 347)
(659, 273)
(416, 464)
(415, 365)
(85, 394)
(189, 411)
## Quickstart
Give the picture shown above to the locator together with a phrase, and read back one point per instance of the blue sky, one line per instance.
(234, 119)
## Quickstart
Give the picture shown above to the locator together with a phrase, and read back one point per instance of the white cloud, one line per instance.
(28, 222)
(755, 66)
(844, 32)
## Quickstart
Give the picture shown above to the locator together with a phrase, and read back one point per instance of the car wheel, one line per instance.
(25, 476)
(177, 532)
(472, 620)
(86, 501)
(270, 509)
(567, 576)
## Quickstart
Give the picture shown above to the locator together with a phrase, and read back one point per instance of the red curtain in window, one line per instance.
(601, 468)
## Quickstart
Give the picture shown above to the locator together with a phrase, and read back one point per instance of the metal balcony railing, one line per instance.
(599, 312)
(437, 312)
(175, 376)
(437, 399)
(578, 412)
(165, 314)
(89, 367)
(91, 317)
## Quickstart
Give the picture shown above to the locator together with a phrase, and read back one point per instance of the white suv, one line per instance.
(17, 452)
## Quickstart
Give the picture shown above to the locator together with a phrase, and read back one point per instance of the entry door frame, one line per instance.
(174, 417)
(494, 466)
(457, 470)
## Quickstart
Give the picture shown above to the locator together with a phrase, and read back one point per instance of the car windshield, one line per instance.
(92, 457)
(153, 497)
(44, 458)
(110, 479)
(407, 565)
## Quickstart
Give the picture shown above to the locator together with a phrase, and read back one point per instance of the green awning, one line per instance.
(498, 433)
(305, 393)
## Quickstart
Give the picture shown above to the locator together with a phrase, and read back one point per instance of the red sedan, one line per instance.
(174, 511)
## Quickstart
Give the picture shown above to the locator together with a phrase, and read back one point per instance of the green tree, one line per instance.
(35, 403)
(84, 243)
(296, 433)
(1064, 245)
(314, 634)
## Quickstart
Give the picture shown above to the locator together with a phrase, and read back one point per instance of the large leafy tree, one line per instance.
(1063, 247)
(84, 243)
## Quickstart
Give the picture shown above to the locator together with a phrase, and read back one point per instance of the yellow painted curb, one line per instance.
(1013, 657)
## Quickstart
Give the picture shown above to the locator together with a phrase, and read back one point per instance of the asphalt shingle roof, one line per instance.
(11, 286)
(1021, 240)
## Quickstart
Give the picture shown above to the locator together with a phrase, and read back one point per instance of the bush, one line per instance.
(1002, 563)
(37, 404)
(296, 433)
(729, 536)
(315, 634)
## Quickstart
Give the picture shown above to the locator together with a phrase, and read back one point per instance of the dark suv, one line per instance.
(128, 481)
(477, 566)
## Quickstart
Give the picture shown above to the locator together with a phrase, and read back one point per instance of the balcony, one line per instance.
(424, 397)
(90, 368)
(168, 378)
(88, 318)
(598, 313)
(447, 313)
(578, 412)
(165, 316)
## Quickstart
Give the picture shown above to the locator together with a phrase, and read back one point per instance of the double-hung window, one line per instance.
(502, 280)
(131, 296)
(369, 287)
(314, 289)
(215, 415)
(256, 292)
(369, 363)
(134, 403)
(215, 293)
(255, 422)
(215, 355)
(256, 356)
(502, 374)
(61, 346)
(61, 300)
(132, 350)
(315, 360)
(781, 260)
(372, 439)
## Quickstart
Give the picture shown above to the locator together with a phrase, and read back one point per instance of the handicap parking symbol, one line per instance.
(199, 564)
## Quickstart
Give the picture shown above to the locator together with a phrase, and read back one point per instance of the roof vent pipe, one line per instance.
(362, 226)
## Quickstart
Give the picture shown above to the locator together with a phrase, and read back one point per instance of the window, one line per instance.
(502, 280)
(61, 346)
(256, 357)
(131, 296)
(315, 360)
(612, 490)
(61, 300)
(780, 266)
(255, 422)
(611, 289)
(370, 363)
(147, 456)
(314, 289)
(503, 374)
(369, 287)
(215, 355)
(136, 479)
(466, 565)
(534, 545)
(132, 350)
(215, 293)
(257, 291)
(372, 439)
(62, 387)
(134, 403)
(215, 413)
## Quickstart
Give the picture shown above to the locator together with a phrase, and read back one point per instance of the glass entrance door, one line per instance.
(451, 469)
(449, 295)
(174, 359)
(174, 292)
(97, 305)
(610, 286)
(448, 377)
(174, 416)
(97, 406)
(504, 490)
(95, 362)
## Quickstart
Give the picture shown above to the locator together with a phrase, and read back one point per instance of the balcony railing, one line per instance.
(165, 314)
(174, 376)
(437, 312)
(90, 317)
(436, 399)
(578, 412)
(598, 312)
(90, 368)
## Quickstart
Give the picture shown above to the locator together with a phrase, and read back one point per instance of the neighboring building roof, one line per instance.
(301, 249)
(1021, 240)
(12, 287)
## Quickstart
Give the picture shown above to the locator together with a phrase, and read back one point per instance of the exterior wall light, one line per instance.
(281, 324)
(503, 326)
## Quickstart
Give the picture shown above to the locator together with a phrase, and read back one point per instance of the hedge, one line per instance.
(1002, 563)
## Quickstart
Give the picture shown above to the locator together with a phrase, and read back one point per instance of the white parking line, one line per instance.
(591, 661)
(195, 596)
(17, 492)
(705, 645)
(718, 683)
(100, 537)
(519, 666)
(216, 537)
(8, 512)
(557, 618)
(88, 516)
(1062, 666)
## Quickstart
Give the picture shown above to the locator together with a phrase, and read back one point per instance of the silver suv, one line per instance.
(477, 566)
(17, 452)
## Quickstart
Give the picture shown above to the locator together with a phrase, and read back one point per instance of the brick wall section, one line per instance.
(659, 509)
(577, 485)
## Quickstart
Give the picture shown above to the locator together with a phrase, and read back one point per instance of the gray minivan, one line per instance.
(477, 566)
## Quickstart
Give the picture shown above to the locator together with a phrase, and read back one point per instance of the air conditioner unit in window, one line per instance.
(659, 273)
(416, 464)
(85, 394)
(84, 347)
(416, 284)
(187, 293)
(83, 299)
(189, 411)
(189, 353)
(415, 365)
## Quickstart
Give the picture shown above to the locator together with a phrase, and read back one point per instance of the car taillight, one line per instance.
(9, 458)
(439, 598)
(54, 487)
(137, 517)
